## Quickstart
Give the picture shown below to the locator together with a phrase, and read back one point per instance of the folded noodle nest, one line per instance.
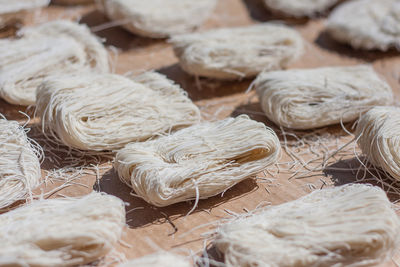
(378, 135)
(91, 111)
(296, 8)
(351, 225)
(54, 47)
(61, 232)
(19, 163)
(159, 18)
(14, 6)
(367, 24)
(235, 53)
(164, 259)
(197, 162)
(312, 98)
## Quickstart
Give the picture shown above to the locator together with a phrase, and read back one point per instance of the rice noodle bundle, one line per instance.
(159, 18)
(367, 24)
(91, 111)
(379, 138)
(61, 232)
(310, 98)
(197, 162)
(54, 47)
(296, 8)
(351, 225)
(233, 53)
(72, 2)
(13, 12)
(164, 259)
(13, 6)
(19, 163)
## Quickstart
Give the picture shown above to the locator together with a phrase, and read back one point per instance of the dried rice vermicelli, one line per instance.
(296, 8)
(197, 162)
(159, 18)
(97, 56)
(12, 13)
(233, 53)
(378, 133)
(367, 24)
(72, 2)
(311, 98)
(351, 225)
(91, 111)
(54, 47)
(12, 6)
(61, 232)
(164, 259)
(19, 163)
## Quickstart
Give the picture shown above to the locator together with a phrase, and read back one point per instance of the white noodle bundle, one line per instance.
(13, 6)
(159, 18)
(19, 164)
(12, 13)
(61, 232)
(54, 47)
(310, 98)
(197, 162)
(164, 259)
(367, 24)
(91, 111)
(72, 2)
(379, 138)
(302, 8)
(234, 53)
(351, 225)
